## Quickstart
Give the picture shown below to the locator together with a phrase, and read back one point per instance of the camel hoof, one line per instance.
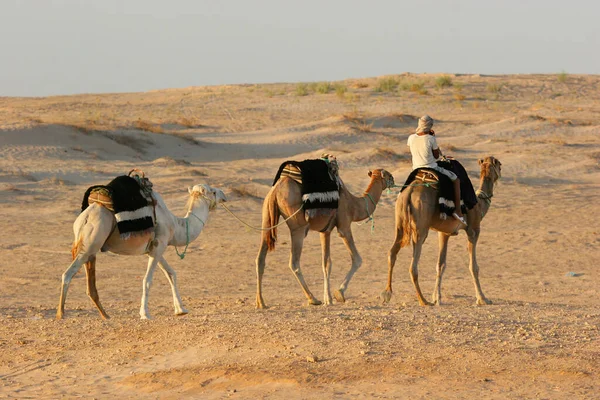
(386, 296)
(261, 306)
(145, 317)
(59, 316)
(425, 303)
(339, 296)
(182, 312)
(483, 302)
(314, 302)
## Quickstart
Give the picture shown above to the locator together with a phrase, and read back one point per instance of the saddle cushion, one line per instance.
(319, 188)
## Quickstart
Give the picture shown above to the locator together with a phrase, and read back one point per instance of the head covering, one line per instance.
(425, 124)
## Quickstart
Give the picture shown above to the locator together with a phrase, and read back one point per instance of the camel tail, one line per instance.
(270, 219)
(76, 247)
(407, 229)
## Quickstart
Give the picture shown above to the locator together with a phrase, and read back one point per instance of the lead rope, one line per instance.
(263, 229)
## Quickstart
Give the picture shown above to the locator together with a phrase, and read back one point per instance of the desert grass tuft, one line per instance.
(386, 85)
(301, 89)
(148, 126)
(443, 81)
(562, 77)
(324, 88)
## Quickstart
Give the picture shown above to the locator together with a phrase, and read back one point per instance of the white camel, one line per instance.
(95, 229)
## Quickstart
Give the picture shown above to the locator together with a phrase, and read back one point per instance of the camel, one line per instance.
(417, 212)
(95, 230)
(285, 199)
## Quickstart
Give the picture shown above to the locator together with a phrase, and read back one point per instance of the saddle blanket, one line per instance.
(319, 188)
(133, 209)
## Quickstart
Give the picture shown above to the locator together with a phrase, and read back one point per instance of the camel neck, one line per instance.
(189, 227)
(484, 194)
(366, 204)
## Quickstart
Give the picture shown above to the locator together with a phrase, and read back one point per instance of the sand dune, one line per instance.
(538, 249)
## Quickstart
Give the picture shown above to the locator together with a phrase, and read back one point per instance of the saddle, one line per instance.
(130, 198)
(445, 187)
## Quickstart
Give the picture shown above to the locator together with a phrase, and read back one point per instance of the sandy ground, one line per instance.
(538, 250)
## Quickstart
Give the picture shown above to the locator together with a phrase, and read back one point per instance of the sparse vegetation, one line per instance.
(189, 122)
(148, 126)
(340, 90)
(458, 86)
(459, 96)
(562, 77)
(386, 85)
(324, 88)
(360, 85)
(301, 89)
(494, 87)
(443, 81)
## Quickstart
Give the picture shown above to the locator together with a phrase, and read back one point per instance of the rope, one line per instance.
(368, 196)
(187, 234)
(263, 229)
(187, 240)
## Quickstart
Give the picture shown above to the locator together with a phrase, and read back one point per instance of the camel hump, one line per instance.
(102, 197)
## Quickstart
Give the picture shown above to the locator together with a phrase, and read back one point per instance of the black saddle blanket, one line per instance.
(319, 189)
(133, 211)
(446, 188)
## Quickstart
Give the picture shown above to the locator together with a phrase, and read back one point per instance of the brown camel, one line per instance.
(417, 212)
(285, 199)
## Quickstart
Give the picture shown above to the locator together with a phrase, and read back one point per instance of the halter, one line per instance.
(496, 170)
(484, 196)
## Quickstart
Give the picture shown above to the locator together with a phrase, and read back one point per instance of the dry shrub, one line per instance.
(360, 85)
(189, 122)
(459, 96)
(148, 126)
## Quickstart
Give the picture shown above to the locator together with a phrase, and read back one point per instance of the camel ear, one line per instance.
(480, 161)
(370, 173)
(220, 196)
(189, 189)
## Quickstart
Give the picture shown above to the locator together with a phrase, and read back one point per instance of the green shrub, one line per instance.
(301, 89)
(324, 88)
(443, 81)
(386, 85)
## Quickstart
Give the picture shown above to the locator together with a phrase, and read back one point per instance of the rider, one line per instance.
(425, 152)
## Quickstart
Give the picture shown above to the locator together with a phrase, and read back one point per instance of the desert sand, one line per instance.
(538, 250)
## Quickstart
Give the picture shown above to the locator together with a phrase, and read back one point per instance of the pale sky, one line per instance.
(50, 47)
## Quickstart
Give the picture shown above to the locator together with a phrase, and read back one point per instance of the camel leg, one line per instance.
(66, 280)
(414, 269)
(472, 237)
(386, 295)
(296, 252)
(172, 278)
(92, 292)
(326, 253)
(152, 262)
(356, 263)
(436, 298)
(260, 269)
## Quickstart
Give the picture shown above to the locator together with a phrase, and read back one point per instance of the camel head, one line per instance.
(490, 168)
(386, 177)
(212, 195)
